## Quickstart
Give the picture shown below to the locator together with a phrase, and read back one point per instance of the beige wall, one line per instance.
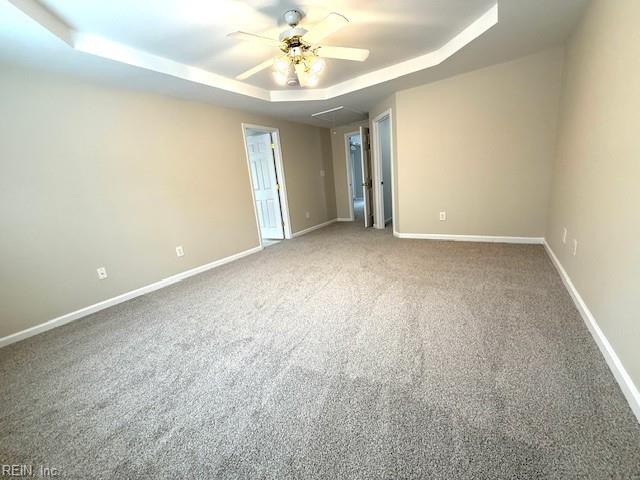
(93, 176)
(596, 193)
(341, 189)
(479, 146)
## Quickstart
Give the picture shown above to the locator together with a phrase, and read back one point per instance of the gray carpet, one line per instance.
(340, 354)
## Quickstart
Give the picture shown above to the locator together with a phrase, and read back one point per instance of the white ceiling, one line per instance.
(193, 32)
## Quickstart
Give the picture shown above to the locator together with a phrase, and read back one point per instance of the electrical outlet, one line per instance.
(307, 214)
(575, 247)
(102, 273)
(322, 173)
(564, 235)
(443, 216)
(179, 251)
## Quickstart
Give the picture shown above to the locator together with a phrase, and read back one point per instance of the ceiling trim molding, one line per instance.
(46, 19)
(102, 47)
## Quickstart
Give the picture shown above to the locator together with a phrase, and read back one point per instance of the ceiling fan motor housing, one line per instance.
(295, 32)
(292, 17)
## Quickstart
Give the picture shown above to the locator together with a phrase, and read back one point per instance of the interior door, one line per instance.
(265, 185)
(367, 183)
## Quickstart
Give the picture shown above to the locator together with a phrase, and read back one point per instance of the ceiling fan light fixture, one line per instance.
(280, 78)
(312, 80)
(281, 65)
(316, 65)
(301, 57)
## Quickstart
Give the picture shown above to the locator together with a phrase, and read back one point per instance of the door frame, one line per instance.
(378, 193)
(350, 186)
(282, 191)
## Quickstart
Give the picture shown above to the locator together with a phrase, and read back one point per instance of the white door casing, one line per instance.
(377, 164)
(265, 185)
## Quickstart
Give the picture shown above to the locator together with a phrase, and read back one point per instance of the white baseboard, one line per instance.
(83, 312)
(471, 238)
(627, 386)
(315, 227)
(344, 219)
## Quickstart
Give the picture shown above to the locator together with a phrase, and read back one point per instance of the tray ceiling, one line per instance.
(193, 32)
(38, 38)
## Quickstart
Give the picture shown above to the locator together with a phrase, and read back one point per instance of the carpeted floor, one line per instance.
(341, 354)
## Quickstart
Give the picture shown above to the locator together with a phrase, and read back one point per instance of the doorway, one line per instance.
(268, 188)
(358, 176)
(383, 166)
(353, 152)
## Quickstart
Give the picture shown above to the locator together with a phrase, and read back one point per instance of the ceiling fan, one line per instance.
(301, 59)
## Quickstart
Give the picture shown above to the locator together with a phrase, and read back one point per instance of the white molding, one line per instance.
(315, 227)
(103, 47)
(625, 382)
(471, 238)
(344, 219)
(46, 19)
(83, 312)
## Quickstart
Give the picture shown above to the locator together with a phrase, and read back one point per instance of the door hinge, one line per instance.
(277, 186)
(273, 146)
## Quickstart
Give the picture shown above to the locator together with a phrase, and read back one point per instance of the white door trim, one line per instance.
(378, 193)
(349, 166)
(282, 192)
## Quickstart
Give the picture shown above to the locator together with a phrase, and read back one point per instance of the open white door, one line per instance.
(365, 159)
(265, 185)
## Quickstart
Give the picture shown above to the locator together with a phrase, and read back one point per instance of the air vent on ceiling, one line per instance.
(340, 116)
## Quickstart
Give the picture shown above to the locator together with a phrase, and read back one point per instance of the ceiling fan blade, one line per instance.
(302, 74)
(256, 69)
(250, 37)
(344, 53)
(332, 23)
